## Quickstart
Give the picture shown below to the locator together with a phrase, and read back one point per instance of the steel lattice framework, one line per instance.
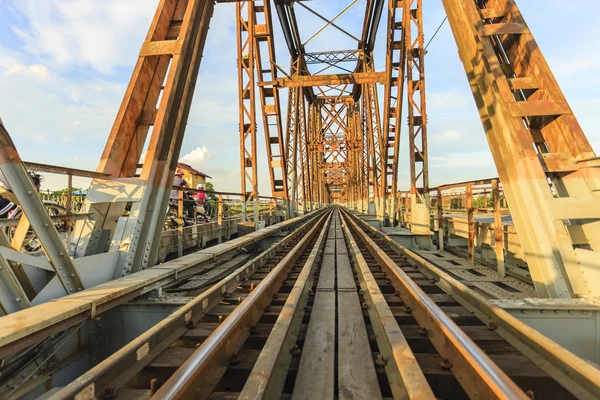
(340, 142)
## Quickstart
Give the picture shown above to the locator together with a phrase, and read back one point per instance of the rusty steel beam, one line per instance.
(159, 96)
(414, 42)
(393, 98)
(376, 142)
(525, 115)
(245, 26)
(328, 57)
(264, 49)
(292, 150)
(14, 171)
(332, 79)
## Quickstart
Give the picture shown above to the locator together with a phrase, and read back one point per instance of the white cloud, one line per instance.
(38, 71)
(450, 136)
(102, 34)
(196, 157)
(461, 160)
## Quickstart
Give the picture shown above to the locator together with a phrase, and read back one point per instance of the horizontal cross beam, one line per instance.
(333, 79)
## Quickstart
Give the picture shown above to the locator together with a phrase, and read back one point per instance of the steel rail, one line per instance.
(212, 356)
(24, 328)
(405, 376)
(571, 371)
(121, 366)
(475, 370)
(268, 375)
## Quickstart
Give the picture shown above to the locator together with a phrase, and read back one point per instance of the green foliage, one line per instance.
(460, 202)
(210, 188)
(62, 192)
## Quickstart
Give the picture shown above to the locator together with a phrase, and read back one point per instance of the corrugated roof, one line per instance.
(192, 170)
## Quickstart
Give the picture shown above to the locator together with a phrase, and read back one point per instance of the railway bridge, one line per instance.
(341, 284)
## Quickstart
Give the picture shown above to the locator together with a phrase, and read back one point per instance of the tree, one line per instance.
(210, 188)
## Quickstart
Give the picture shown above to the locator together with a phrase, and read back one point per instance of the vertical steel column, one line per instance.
(417, 110)
(264, 50)
(247, 105)
(291, 143)
(302, 154)
(376, 142)
(393, 97)
(367, 157)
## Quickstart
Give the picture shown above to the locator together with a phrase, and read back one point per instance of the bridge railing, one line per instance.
(461, 203)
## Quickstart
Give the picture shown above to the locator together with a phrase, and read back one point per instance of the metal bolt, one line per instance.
(295, 350)
(234, 359)
(380, 360)
(407, 309)
(423, 330)
(364, 305)
(445, 364)
(492, 326)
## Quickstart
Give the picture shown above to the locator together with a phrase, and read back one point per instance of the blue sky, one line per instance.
(65, 64)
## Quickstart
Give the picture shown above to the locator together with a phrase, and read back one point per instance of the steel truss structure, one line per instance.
(341, 142)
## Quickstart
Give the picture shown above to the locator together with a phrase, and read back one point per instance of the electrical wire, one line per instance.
(436, 32)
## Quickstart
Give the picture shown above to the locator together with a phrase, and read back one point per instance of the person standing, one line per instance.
(180, 182)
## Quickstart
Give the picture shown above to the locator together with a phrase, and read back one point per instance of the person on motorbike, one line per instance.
(203, 199)
(188, 204)
(6, 205)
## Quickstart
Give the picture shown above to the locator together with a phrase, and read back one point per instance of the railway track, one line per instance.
(336, 311)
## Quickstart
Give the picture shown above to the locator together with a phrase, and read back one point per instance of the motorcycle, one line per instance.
(172, 220)
(31, 243)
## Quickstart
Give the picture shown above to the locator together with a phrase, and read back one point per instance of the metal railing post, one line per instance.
(220, 217)
(498, 229)
(471, 223)
(179, 223)
(440, 220)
